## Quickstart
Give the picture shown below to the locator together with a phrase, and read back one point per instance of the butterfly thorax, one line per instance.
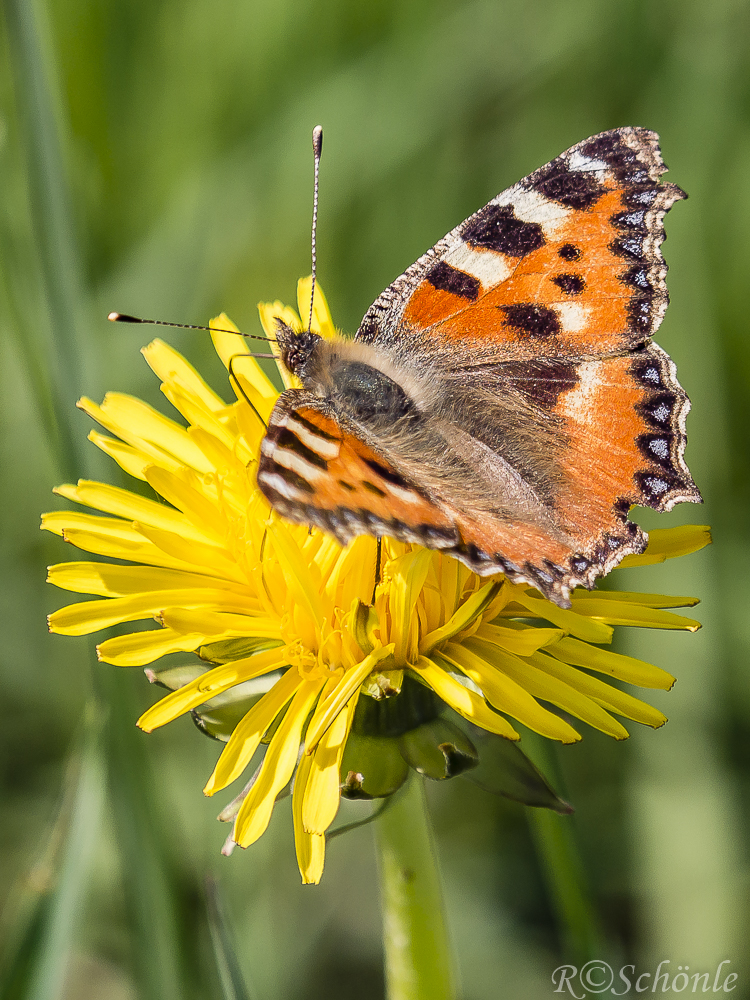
(349, 376)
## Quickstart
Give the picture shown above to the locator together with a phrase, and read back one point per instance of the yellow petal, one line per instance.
(349, 684)
(133, 460)
(353, 574)
(113, 580)
(574, 624)
(298, 572)
(468, 704)
(624, 613)
(213, 682)
(604, 661)
(278, 766)
(231, 345)
(322, 795)
(310, 847)
(212, 623)
(269, 313)
(504, 693)
(170, 366)
(114, 544)
(123, 503)
(173, 549)
(246, 737)
(667, 543)
(468, 612)
(101, 414)
(196, 415)
(635, 597)
(90, 616)
(62, 521)
(551, 689)
(199, 511)
(136, 422)
(139, 648)
(408, 577)
(606, 695)
(520, 639)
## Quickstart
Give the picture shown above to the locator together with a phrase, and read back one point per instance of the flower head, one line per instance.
(338, 663)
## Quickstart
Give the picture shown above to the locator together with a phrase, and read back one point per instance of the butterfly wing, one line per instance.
(544, 302)
(566, 262)
(314, 469)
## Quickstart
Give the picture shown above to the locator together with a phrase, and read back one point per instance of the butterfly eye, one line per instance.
(370, 395)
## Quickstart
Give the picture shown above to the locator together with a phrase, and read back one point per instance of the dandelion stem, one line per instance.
(563, 869)
(418, 957)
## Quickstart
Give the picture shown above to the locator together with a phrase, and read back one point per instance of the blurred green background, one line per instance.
(169, 174)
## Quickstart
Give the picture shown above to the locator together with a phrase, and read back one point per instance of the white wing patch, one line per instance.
(487, 266)
(531, 206)
(573, 316)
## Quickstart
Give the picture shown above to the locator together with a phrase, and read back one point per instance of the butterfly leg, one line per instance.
(236, 382)
(378, 563)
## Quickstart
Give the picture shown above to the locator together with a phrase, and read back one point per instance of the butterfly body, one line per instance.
(502, 399)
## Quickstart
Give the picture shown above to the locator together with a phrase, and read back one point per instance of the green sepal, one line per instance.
(228, 650)
(173, 678)
(439, 750)
(383, 683)
(414, 705)
(372, 767)
(219, 717)
(504, 769)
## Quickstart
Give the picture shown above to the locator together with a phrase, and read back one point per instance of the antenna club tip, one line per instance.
(115, 317)
(317, 140)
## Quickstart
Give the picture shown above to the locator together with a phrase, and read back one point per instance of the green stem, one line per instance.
(562, 866)
(418, 957)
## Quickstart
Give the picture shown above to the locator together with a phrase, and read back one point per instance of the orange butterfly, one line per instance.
(502, 400)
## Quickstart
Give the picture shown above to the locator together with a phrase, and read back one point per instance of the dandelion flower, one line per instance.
(340, 680)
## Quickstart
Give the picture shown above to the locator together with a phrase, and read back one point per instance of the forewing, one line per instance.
(315, 471)
(566, 262)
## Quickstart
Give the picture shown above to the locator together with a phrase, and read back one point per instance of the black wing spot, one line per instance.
(347, 486)
(647, 372)
(541, 382)
(571, 188)
(619, 157)
(628, 247)
(368, 331)
(288, 439)
(495, 227)
(654, 486)
(656, 448)
(639, 314)
(313, 428)
(622, 508)
(635, 220)
(389, 475)
(568, 251)
(579, 564)
(531, 320)
(571, 284)
(449, 279)
(658, 410)
(637, 277)
(372, 488)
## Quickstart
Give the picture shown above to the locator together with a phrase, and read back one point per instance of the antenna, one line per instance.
(115, 317)
(317, 142)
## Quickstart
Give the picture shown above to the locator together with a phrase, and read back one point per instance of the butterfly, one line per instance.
(502, 400)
